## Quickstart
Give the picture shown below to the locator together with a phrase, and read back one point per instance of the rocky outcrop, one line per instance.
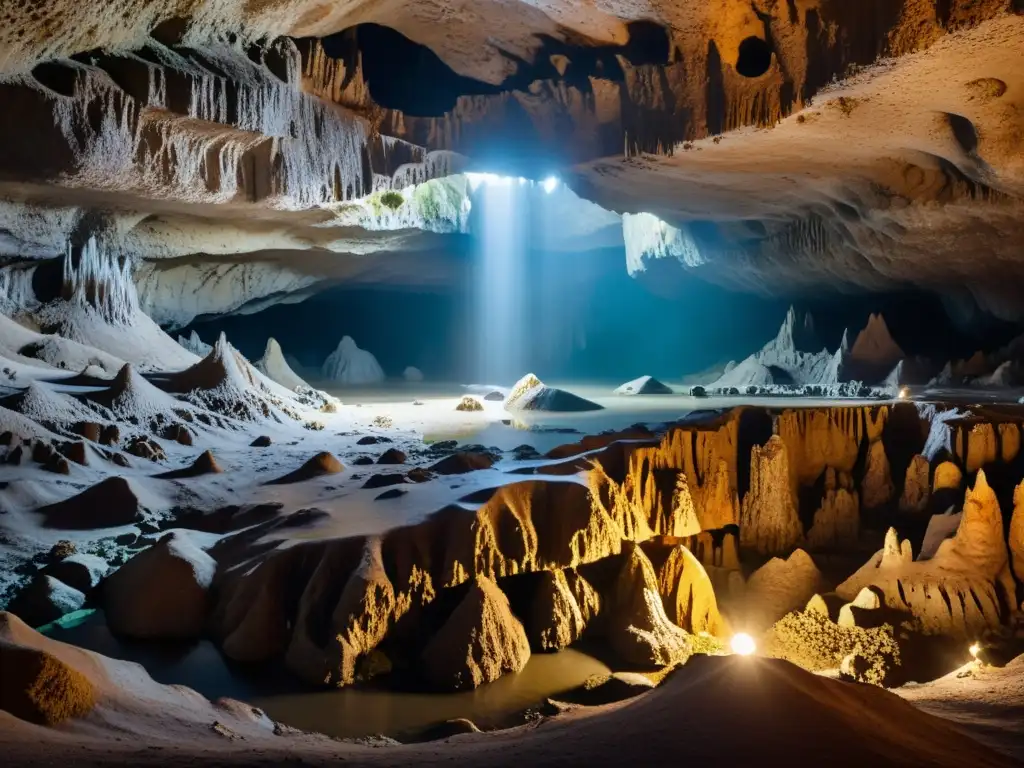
(947, 476)
(531, 394)
(469, 404)
(955, 592)
(274, 366)
(480, 641)
(876, 485)
(769, 522)
(916, 486)
(638, 629)
(162, 592)
(688, 595)
(556, 619)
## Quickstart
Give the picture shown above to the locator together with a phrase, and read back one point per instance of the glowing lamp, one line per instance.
(974, 650)
(550, 184)
(742, 644)
(904, 393)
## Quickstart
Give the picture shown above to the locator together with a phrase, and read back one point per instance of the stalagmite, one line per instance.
(947, 475)
(1009, 441)
(876, 487)
(769, 522)
(778, 587)
(916, 491)
(1017, 532)
(688, 595)
(837, 521)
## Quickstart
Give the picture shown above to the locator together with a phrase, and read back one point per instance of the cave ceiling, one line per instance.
(241, 152)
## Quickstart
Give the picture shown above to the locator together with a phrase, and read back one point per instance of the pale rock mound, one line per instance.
(412, 374)
(645, 385)
(469, 404)
(556, 620)
(131, 397)
(350, 365)
(531, 394)
(837, 522)
(769, 522)
(79, 571)
(44, 600)
(478, 643)
(955, 592)
(276, 368)
(780, 586)
(638, 628)
(162, 592)
(916, 490)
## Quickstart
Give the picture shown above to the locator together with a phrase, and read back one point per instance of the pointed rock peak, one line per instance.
(273, 349)
(123, 379)
(875, 344)
(844, 345)
(891, 549)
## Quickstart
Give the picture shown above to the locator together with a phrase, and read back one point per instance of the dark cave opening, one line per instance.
(754, 57)
(407, 76)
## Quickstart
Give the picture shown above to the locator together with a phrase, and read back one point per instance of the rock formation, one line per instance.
(276, 368)
(837, 522)
(351, 366)
(1017, 532)
(916, 486)
(645, 385)
(530, 394)
(162, 592)
(955, 592)
(46, 599)
(412, 374)
(769, 522)
(780, 586)
(479, 642)
(688, 595)
(556, 619)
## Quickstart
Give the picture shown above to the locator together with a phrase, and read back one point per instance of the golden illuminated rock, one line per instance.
(769, 522)
(876, 487)
(556, 620)
(916, 488)
(947, 475)
(688, 595)
(778, 587)
(837, 521)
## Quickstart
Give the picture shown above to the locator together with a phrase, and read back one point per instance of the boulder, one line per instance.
(45, 599)
(179, 433)
(162, 592)
(531, 394)
(81, 572)
(412, 374)
(90, 430)
(462, 462)
(480, 641)
(392, 456)
(468, 403)
(145, 448)
(263, 441)
(769, 522)
(350, 365)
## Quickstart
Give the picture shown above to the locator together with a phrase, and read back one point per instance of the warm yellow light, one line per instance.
(904, 393)
(743, 644)
(975, 650)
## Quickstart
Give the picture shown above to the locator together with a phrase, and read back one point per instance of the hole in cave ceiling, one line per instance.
(754, 57)
(409, 77)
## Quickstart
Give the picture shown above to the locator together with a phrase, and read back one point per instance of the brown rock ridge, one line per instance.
(769, 523)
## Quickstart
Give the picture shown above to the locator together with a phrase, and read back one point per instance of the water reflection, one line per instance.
(345, 712)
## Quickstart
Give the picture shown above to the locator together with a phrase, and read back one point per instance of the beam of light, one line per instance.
(550, 184)
(974, 650)
(742, 644)
(500, 292)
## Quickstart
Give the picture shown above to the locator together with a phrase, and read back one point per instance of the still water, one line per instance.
(343, 712)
